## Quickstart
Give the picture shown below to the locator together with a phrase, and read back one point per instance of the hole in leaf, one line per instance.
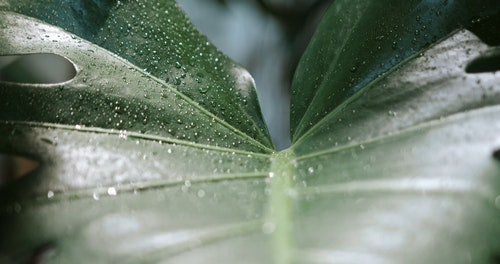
(41, 68)
(487, 62)
(15, 167)
(487, 29)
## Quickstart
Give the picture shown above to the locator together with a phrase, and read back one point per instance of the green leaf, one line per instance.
(401, 166)
(404, 172)
(170, 165)
(360, 40)
(154, 36)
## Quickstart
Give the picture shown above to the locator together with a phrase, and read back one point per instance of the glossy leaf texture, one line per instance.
(405, 171)
(157, 38)
(132, 167)
(357, 41)
(136, 169)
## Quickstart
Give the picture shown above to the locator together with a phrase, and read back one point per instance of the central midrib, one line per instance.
(280, 214)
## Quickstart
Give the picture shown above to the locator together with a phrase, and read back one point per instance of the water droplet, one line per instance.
(122, 134)
(50, 194)
(112, 191)
(204, 89)
(271, 174)
(95, 196)
(201, 193)
(310, 170)
(394, 45)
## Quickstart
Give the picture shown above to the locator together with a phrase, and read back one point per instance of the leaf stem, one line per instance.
(280, 223)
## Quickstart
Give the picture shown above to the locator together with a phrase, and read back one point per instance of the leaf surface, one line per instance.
(358, 41)
(157, 38)
(406, 168)
(134, 168)
(163, 156)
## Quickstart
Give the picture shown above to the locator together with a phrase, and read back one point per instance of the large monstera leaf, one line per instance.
(156, 150)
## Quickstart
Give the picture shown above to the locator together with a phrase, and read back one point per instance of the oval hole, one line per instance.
(40, 68)
(487, 29)
(15, 167)
(487, 62)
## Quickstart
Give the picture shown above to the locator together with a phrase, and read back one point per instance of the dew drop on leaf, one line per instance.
(204, 89)
(112, 191)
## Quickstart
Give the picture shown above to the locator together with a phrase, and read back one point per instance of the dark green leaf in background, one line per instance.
(155, 152)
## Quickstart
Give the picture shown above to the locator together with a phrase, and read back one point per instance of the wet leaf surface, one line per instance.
(148, 156)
